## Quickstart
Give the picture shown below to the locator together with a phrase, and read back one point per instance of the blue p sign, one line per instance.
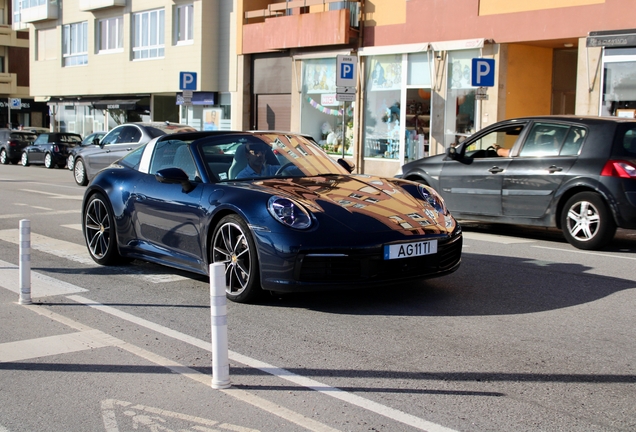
(483, 74)
(187, 81)
(346, 70)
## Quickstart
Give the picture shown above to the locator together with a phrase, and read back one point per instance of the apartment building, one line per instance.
(272, 64)
(16, 105)
(97, 63)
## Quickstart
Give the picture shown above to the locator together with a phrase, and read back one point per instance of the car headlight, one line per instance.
(288, 212)
(431, 196)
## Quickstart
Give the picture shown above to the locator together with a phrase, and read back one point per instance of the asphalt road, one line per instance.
(530, 334)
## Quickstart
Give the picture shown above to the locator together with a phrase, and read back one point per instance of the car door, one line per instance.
(114, 145)
(38, 149)
(167, 220)
(543, 163)
(471, 183)
(129, 139)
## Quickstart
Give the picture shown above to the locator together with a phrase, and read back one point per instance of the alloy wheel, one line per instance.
(97, 229)
(231, 247)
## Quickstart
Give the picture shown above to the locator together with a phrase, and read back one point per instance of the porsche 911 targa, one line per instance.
(274, 207)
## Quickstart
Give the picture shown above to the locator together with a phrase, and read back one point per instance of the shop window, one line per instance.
(460, 102)
(619, 83)
(321, 113)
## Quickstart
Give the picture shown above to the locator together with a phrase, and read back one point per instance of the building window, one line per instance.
(46, 44)
(619, 83)
(111, 34)
(148, 34)
(183, 23)
(75, 44)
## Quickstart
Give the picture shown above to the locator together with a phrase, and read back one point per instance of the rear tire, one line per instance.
(587, 222)
(48, 161)
(3, 157)
(79, 172)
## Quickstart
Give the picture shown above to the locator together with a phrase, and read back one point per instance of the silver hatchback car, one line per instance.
(116, 144)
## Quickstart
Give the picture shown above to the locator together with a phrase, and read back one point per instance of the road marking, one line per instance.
(55, 195)
(187, 372)
(312, 384)
(41, 285)
(141, 415)
(52, 345)
(77, 227)
(495, 238)
(29, 215)
(78, 253)
(587, 253)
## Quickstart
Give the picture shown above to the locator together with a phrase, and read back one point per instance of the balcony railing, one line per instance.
(294, 7)
(89, 5)
(36, 10)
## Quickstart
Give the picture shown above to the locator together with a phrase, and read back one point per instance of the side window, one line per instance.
(504, 137)
(544, 139)
(129, 134)
(112, 136)
(573, 141)
(173, 154)
(42, 139)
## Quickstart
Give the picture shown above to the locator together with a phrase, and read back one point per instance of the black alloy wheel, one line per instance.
(587, 222)
(99, 231)
(232, 244)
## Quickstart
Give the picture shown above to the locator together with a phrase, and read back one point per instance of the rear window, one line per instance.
(625, 145)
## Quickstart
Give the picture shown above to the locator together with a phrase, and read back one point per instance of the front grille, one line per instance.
(359, 267)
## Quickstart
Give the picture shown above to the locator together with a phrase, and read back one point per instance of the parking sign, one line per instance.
(483, 74)
(346, 66)
(187, 81)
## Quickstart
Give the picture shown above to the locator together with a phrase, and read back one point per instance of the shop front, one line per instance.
(618, 79)
(206, 111)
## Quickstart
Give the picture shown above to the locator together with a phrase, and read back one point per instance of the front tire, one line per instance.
(24, 160)
(79, 172)
(48, 161)
(99, 231)
(233, 245)
(587, 222)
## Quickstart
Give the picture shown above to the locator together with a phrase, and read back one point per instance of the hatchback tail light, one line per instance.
(12, 143)
(619, 168)
(56, 149)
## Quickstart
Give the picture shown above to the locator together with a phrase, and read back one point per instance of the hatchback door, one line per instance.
(542, 165)
(472, 183)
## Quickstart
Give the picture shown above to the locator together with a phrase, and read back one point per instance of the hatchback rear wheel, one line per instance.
(3, 157)
(48, 161)
(587, 222)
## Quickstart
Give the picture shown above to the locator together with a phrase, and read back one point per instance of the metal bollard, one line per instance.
(218, 311)
(25, 262)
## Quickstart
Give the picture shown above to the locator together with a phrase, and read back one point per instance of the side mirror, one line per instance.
(175, 176)
(96, 141)
(452, 153)
(349, 166)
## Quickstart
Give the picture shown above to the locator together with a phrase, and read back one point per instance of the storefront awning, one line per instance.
(458, 45)
(122, 104)
(617, 38)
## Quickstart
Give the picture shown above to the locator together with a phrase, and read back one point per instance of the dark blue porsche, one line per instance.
(275, 208)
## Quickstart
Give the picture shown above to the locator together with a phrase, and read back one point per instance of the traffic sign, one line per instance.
(346, 90)
(345, 97)
(483, 73)
(15, 103)
(187, 81)
(347, 70)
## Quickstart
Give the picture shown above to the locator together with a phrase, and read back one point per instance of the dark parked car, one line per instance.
(574, 173)
(181, 200)
(91, 140)
(50, 149)
(12, 145)
(116, 144)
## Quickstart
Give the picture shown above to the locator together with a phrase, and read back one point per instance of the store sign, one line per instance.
(328, 100)
(608, 40)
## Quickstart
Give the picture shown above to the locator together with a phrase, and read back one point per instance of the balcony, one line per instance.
(90, 5)
(300, 24)
(8, 83)
(39, 11)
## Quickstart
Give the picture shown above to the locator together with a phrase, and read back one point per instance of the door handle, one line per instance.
(553, 168)
(495, 170)
(139, 197)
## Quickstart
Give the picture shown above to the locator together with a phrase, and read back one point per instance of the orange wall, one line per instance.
(528, 81)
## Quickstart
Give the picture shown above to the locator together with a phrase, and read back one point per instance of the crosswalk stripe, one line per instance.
(41, 285)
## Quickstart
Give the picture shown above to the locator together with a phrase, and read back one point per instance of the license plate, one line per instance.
(408, 250)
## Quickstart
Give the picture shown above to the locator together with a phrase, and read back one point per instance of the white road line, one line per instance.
(77, 227)
(41, 285)
(495, 238)
(325, 389)
(242, 395)
(28, 215)
(55, 195)
(606, 255)
(52, 345)
(78, 253)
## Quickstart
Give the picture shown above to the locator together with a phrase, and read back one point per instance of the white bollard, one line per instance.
(25, 262)
(218, 311)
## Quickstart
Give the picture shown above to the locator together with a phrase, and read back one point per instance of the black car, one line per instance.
(304, 223)
(574, 173)
(50, 149)
(11, 147)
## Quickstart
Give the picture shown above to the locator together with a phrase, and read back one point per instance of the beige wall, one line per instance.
(113, 74)
(528, 83)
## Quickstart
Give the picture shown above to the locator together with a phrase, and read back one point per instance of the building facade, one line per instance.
(272, 64)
